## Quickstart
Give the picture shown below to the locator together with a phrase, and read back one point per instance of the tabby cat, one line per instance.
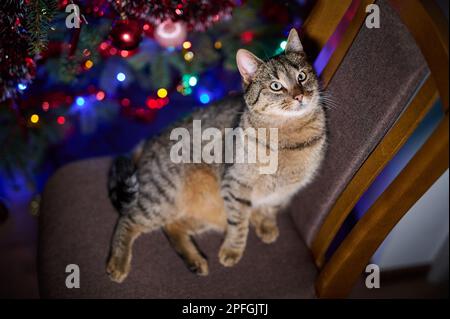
(152, 192)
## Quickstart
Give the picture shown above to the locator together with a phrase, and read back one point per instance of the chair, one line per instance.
(383, 82)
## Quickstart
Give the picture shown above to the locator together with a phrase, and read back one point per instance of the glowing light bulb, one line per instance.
(188, 56)
(120, 77)
(283, 45)
(187, 45)
(126, 37)
(80, 101)
(100, 95)
(162, 93)
(61, 120)
(192, 81)
(204, 98)
(21, 86)
(88, 64)
(45, 106)
(34, 118)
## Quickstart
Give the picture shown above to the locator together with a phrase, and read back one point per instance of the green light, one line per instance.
(186, 77)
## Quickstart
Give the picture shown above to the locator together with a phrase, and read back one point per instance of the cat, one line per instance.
(152, 192)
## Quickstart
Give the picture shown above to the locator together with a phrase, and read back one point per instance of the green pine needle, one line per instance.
(38, 23)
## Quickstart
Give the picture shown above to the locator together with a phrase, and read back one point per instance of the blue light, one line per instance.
(204, 98)
(120, 77)
(80, 101)
(21, 86)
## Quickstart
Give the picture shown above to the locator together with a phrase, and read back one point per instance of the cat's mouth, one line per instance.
(302, 105)
(299, 108)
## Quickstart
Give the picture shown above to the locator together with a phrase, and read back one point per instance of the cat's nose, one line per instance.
(299, 97)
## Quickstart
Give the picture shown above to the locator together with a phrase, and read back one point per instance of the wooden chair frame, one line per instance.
(429, 28)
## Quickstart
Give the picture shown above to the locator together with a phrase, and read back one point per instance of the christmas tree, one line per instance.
(69, 66)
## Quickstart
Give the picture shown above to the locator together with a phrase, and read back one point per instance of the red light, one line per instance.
(100, 95)
(125, 102)
(103, 45)
(124, 53)
(164, 101)
(113, 51)
(45, 106)
(61, 120)
(247, 37)
(152, 103)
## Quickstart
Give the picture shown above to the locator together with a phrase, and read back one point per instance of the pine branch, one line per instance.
(38, 23)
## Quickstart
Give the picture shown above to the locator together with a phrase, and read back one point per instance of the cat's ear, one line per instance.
(248, 64)
(293, 44)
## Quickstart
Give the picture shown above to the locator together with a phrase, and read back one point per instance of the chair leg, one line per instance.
(340, 274)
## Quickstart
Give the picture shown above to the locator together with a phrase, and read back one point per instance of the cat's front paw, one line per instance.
(118, 268)
(229, 256)
(267, 232)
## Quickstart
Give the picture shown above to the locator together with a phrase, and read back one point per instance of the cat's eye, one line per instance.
(276, 86)
(301, 76)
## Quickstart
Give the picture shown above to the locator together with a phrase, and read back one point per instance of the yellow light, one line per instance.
(34, 118)
(187, 45)
(88, 64)
(188, 56)
(218, 45)
(162, 93)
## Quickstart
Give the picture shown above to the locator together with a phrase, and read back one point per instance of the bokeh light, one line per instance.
(192, 81)
(80, 101)
(34, 118)
(162, 93)
(204, 98)
(121, 77)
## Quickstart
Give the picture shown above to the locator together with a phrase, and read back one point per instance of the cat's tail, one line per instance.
(123, 185)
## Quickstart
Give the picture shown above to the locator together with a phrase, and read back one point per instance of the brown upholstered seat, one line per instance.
(78, 220)
(371, 88)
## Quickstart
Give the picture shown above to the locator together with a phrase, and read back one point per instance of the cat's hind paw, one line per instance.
(268, 233)
(118, 269)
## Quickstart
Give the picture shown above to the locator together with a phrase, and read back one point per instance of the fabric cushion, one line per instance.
(373, 85)
(77, 222)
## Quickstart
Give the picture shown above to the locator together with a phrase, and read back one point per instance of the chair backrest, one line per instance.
(379, 80)
(371, 88)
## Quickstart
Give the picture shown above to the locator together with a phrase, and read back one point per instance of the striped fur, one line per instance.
(151, 192)
(122, 183)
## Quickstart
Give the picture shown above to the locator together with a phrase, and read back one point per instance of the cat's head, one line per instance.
(284, 85)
